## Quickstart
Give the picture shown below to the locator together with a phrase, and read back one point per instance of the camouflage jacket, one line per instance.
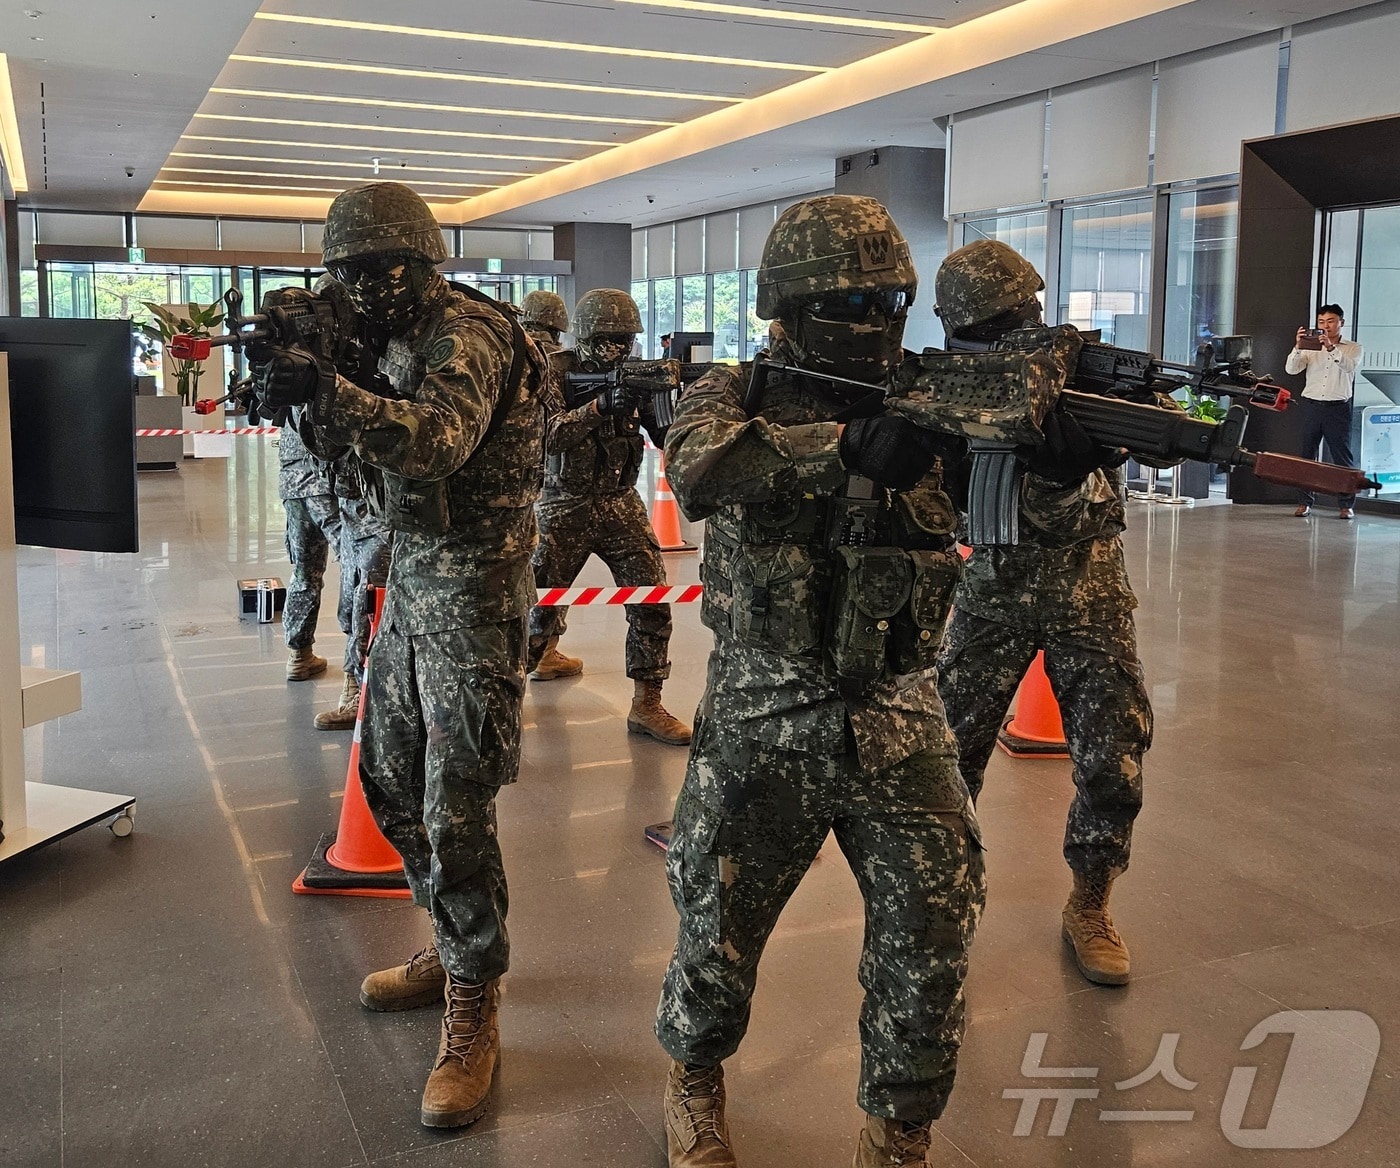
(454, 477)
(766, 484)
(1068, 568)
(300, 474)
(588, 453)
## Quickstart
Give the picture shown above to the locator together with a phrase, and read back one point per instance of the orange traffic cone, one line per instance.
(665, 515)
(357, 860)
(1035, 729)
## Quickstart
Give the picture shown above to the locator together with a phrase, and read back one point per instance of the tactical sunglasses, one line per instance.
(365, 269)
(611, 339)
(857, 305)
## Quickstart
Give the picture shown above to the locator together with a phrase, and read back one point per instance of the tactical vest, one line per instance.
(778, 577)
(503, 472)
(608, 460)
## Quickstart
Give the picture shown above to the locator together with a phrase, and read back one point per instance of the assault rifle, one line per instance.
(326, 325)
(322, 324)
(997, 399)
(1223, 368)
(624, 387)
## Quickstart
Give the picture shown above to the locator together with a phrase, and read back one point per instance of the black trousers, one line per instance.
(1329, 420)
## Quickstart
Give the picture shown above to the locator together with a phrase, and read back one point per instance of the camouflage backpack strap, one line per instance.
(517, 359)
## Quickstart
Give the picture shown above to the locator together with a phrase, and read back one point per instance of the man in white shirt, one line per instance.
(1326, 402)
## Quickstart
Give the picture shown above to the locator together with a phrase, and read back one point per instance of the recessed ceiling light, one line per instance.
(482, 79)
(786, 15)
(537, 43)
(368, 150)
(385, 103)
(397, 164)
(351, 178)
(401, 130)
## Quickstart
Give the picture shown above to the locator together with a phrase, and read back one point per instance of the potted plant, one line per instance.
(198, 323)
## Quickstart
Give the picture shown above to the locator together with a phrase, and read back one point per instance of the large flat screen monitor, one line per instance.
(73, 431)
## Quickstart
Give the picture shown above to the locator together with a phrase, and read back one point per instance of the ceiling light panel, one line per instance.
(367, 147)
(340, 180)
(388, 164)
(513, 86)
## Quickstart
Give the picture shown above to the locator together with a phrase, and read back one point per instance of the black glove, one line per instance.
(290, 377)
(890, 450)
(1068, 454)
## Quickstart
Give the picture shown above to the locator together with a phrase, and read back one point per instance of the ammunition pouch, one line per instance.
(918, 628)
(872, 586)
(776, 598)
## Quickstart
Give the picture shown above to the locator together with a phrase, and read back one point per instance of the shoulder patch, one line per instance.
(443, 352)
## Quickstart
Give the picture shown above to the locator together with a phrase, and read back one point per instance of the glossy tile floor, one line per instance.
(166, 1000)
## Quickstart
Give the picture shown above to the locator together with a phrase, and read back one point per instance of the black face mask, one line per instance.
(866, 349)
(386, 289)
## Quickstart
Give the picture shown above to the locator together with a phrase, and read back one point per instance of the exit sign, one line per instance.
(136, 255)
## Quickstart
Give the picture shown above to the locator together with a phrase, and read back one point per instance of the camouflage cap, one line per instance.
(381, 218)
(545, 308)
(605, 310)
(828, 244)
(979, 282)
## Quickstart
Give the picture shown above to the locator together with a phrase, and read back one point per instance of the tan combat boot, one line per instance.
(303, 664)
(1098, 949)
(554, 664)
(696, 1134)
(468, 1054)
(417, 983)
(893, 1143)
(346, 711)
(649, 716)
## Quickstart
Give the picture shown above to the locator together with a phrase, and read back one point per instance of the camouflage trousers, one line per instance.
(1098, 682)
(440, 735)
(313, 527)
(911, 839)
(615, 528)
(364, 564)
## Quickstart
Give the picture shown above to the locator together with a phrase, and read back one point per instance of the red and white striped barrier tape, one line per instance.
(234, 430)
(662, 594)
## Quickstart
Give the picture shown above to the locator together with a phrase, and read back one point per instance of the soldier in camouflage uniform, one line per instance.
(305, 486)
(821, 709)
(590, 505)
(544, 317)
(1063, 589)
(364, 565)
(451, 456)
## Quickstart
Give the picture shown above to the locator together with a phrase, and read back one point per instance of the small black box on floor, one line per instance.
(274, 598)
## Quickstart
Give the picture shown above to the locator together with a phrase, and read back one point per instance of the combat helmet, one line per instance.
(830, 244)
(979, 282)
(545, 309)
(607, 311)
(381, 218)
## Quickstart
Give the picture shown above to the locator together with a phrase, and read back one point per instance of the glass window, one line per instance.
(756, 330)
(693, 304)
(1374, 284)
(1106, 269)
(664, 294)
(1202, 238)
(641, 294)
(29, 293)
(726, 296)
(70, 290)
(121, 290)
(1024, 231)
